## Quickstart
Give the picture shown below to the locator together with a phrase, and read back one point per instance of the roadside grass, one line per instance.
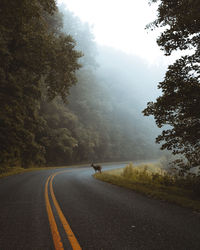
(18, 170)
(153, 181)
(14, 170)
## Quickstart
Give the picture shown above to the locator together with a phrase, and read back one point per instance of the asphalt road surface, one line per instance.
(69, 209)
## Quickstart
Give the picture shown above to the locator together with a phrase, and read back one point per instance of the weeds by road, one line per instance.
(152, 180)
(16, 170)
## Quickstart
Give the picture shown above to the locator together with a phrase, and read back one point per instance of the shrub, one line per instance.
(154, 175)
(141, 173)
(128, 171)
(3, 170)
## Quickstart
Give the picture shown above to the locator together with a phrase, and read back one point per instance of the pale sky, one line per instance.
(120, 24)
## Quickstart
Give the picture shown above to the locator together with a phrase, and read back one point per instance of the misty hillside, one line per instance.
(132, 77)
(131, 83)
(79, 103)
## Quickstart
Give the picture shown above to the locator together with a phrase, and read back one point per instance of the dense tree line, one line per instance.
(44, 117)
(179, 105)
(36, 59)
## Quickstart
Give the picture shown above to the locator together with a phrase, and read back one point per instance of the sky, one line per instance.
(121, 24)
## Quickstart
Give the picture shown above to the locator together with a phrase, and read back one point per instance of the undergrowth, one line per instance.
(152, 180)
(4, 172)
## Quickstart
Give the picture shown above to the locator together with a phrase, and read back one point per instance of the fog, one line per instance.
(120, 24)
(130, 82)
(130, 76)
(112, 90)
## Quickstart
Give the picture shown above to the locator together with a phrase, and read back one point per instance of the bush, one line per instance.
(154, 175)
(3, 170)
(141, 173)
(128, 171)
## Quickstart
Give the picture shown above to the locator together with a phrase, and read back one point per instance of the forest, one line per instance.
(177, 108)
(63, 98)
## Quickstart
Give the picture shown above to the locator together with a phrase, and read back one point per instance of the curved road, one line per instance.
(101, 216)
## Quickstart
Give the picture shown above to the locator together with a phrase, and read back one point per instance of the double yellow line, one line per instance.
(54, 229)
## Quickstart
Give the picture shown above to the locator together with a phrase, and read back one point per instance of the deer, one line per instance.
(96, 168)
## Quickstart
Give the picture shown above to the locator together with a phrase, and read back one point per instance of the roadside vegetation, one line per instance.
(4, 172)
(155, 181)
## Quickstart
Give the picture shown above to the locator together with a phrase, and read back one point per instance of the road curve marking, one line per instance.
(54, 229)
(74, 243)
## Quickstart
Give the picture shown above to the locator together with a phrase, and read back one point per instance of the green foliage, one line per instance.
(56, 135)
(145, 173)
(83, 36)
(151, 180)
(128, 171)
(179, 105)
(154, 175)
(35, 57)
(62, 65)
(182, 21)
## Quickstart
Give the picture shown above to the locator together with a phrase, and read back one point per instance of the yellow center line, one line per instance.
(54, 229)
(74, 243)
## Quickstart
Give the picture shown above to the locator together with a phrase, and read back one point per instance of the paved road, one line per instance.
(101, 216)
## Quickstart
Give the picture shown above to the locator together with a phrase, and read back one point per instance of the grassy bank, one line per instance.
(153, 181)
(18, 170)
(15, 170)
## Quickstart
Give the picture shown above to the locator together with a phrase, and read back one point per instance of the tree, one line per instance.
(35, 55)
(179, 105)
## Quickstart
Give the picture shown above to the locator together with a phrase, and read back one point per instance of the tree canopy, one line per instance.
(34, 59)
(179, 105)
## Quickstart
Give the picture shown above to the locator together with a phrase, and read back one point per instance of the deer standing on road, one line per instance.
(96, 168)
